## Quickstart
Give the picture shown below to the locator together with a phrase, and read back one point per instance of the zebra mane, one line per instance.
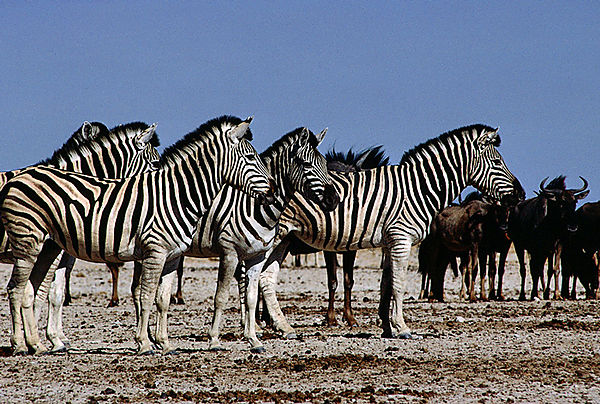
(136, 127)
(177, 150)
(371, 157)
(74, 144)
(443, 138)
(79, 144)
(284, 141)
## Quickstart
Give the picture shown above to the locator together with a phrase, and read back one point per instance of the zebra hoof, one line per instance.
(408, 335)
(149, 352)
(20, 352)
(290, 335)
(60, 350)
(173, 351)
(217, 348)
(258, 349)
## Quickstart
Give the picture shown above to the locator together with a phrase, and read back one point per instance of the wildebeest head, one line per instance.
(561, 202)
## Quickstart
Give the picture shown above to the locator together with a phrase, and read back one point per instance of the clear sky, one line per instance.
(376, 72)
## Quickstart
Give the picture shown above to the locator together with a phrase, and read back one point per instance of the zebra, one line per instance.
(92, 149)
(371, 157)
(238, 229)
(120, 152)
(150, 217)
(392, 207)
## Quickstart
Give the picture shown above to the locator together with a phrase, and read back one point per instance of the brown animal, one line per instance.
(457, 231)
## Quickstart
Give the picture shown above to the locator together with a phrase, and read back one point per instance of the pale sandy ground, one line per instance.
(471, 352)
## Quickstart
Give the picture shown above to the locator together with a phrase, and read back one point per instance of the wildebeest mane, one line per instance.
(368, 158)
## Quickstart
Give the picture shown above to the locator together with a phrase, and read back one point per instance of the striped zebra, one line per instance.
(150, 217)
(92, 149)
(124, 151)
(392, 207)
(239, 230)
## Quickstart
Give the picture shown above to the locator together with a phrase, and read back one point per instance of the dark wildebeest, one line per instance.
(580, 253)
(462, 231)
(537, 224)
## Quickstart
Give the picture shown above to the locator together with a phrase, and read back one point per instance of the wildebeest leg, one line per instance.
(492, 275)
(536, 267)
(473, 267)
(550, 272)
(597, 263)
(114, 272)
(483, 271)
(574, 290)
(331, 264)
(348, 260)
(466, 276)
(68, 262)
(521, 257)
(177, 298)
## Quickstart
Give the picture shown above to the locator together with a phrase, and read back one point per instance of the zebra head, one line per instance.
(244, 169)
(308, 171)
(134, 148)
(489, 172)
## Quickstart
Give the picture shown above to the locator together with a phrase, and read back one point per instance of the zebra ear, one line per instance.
(143, 138)
(489, 138)
(320, 136)
(87, 131)
(237, 132)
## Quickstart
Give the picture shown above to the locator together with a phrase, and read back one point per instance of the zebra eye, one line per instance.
(251, 157)
(306, 164)
(497, 161)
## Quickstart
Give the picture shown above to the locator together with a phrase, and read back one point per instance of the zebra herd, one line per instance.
(107, 196)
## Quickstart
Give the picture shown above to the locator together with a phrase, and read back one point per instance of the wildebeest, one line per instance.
(537, 224)
(580, 252)
(463, 231)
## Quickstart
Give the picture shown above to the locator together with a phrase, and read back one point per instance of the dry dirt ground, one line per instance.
(536, 351)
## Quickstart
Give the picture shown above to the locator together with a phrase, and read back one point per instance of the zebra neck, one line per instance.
(432, 185)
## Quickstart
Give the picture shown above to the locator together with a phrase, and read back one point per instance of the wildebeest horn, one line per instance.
(585, 185)
(547, 191)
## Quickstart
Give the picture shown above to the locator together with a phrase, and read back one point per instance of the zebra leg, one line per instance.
(54, 285)
(331, 264)
(16, 291)
(152, 267)
(253, 268)
(163, 298)
(399, 264)
(227, 266)
(267, 282)
(68, 262)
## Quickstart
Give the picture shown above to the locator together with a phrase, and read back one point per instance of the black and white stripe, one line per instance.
(150, 217)
(392, 207)
(240, 230)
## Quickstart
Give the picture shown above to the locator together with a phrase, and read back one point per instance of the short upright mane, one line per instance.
(177, 150)
(136, 127)
(283, 141)
(443, 138)
(74, 144)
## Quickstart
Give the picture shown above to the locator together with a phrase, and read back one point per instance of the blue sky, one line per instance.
(391, 73)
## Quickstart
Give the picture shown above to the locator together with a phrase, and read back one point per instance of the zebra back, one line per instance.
(234, 219)
(403, 199)
(92, 149)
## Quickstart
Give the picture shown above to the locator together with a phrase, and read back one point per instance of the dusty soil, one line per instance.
(538, 351)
